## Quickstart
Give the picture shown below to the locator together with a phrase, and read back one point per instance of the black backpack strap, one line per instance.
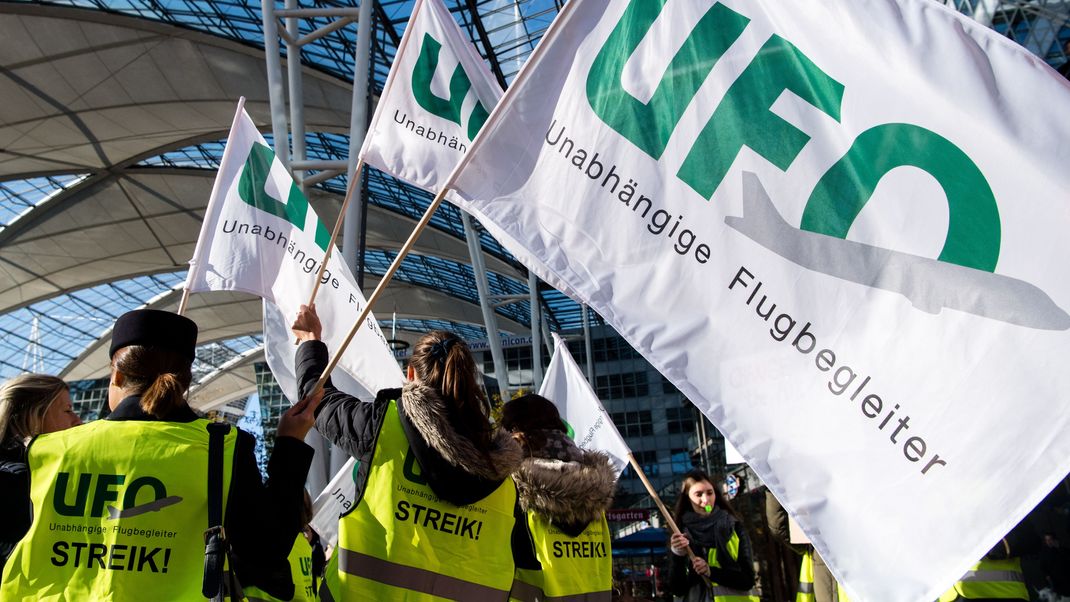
(215, 540)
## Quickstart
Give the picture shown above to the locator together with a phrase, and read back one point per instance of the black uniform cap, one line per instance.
(155, 328)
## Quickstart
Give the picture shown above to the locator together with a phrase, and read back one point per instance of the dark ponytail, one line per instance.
(160, 376)
(443, 361)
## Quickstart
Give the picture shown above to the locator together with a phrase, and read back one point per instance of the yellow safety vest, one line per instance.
(300, 560)
(330, 587)
(574, 569)
(727, 594)
(806, 582)
(120, 510)
(401, 542)
(999, 579)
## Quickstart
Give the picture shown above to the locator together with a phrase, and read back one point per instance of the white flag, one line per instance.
(336, 499)
(896, 379)
(590, 425)
(437, 96)
(260, 236)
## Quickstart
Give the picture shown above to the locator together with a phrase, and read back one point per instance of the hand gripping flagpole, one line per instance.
(337, 227)
(382, 285)
(661, 508)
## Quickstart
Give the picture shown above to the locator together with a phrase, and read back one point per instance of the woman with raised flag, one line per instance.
(564, 491)
(436, 507)
(142, 505)
(722, 568)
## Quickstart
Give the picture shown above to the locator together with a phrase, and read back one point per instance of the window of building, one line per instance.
(681, 461)
(634, 424)
(667, 387)
(611, 349)
(647, 460)
(680, 420)
(621, 386)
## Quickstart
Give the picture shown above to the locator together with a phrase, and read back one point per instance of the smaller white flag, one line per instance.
(261, 236)
(590, 425)
(335, 499)
(437, 96)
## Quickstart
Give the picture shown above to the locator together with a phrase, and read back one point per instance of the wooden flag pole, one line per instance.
(185, 301)
(661, 508)
(382, 285)
(337, 227)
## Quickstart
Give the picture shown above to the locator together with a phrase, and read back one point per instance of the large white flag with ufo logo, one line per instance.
(839, 227)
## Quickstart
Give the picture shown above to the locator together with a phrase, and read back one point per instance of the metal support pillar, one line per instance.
(587, 345)
(323, 467)
(358, 126)
(490, 320)
(276, 90)
(297, 105)
(536, 334)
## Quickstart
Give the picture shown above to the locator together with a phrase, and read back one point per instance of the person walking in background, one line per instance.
(432, 470)
(816, 583)
(714, 532)
(121, 505)
(30, 405)
(565, 492)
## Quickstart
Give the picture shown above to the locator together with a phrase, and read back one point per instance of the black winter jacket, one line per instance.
(462, 479)
(15, 507)
(706, 533)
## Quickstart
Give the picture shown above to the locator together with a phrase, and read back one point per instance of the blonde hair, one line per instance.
(24, 401)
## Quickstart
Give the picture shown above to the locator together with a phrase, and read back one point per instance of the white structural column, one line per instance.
(276, 89)
(490, 321)
(358, 126)
(297, 105)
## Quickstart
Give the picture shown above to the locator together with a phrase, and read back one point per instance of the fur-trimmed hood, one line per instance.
(429, 415)
(567, 492)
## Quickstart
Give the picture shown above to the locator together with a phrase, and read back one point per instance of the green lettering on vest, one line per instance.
(649, 125)
(130, 497)
(743, 117)
(81, 495)
(973, 230)
(424, 72)
(411, 469)
(252, 189)
(104, 492)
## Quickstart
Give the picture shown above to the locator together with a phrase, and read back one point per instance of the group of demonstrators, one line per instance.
(154, 502)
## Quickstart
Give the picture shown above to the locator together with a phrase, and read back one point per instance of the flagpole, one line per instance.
(185, 300)
(661, 507)
(337, 228)
(382, 285)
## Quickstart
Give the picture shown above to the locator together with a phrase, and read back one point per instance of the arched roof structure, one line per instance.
(114, 125)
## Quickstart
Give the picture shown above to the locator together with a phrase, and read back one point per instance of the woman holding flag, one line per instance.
(722, 550)
(436, 508)
(564, 491)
